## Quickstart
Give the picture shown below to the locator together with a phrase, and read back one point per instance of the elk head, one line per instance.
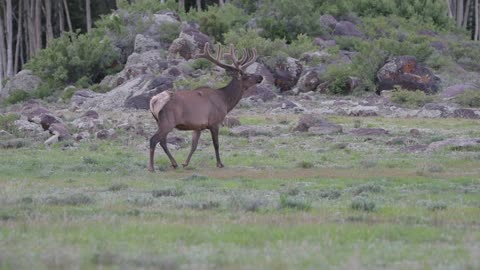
(236, 70)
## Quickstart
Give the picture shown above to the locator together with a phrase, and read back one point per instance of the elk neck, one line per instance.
(232, 93)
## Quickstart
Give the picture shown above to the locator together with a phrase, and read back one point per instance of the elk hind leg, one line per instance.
(195, 137)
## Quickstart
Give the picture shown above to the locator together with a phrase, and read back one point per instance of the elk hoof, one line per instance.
(150, 169)
(220, 165)
(185, 165)
(174, 166)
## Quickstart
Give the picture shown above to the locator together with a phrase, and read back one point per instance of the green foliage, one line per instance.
(169, 32)
(466, 53)
(201, 63)
(287, 19)
(7, 123)
(216, 21)
(426, 11)
(469, 98)
(338, 77)
(17, 96)
(71, 58)
(147, 6)
(411, 99)
(242, 38)
(300, 45)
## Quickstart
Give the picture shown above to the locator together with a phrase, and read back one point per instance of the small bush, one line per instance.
(362, 204)
(199, 205)
(169, 192)
(305, 165)
(140, 200)
(330, 194)
(17, 96)
(246, 204)
(436, 206)
(469, 98)
(90, 161)
(298, 203)
(367, 188)
(7, 123)
(216, 21)
(72, 200)
(117, 187)
(410, 99)
(338, 77)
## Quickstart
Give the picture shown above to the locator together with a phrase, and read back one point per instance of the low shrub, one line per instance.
(411, 99)
(295, 202)
(361, 203)
(17, 96)
(469, 98)
(7, 123)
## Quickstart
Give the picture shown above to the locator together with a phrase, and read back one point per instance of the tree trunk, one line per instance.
(181, 5)
(89, 15)
(475, 37)
(2, 50)
(19, 36)
(61, 18)
(459, 12)
(38, 25)
(466, 15)
(449, 5)
(69, 22)
(48, 20)
(9, 31)
(199, 5)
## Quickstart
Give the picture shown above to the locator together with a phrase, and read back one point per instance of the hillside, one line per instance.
(358, 150)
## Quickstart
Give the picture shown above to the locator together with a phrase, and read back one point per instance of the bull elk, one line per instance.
(204, 107)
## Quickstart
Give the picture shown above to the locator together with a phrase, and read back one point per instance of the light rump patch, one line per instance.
(159, 101)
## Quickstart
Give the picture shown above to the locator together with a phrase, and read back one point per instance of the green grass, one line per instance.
(367, 205)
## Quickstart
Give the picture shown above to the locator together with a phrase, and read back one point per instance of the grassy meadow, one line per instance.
(284, 201)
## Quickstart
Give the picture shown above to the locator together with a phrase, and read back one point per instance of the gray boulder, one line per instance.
(455, 144)
(328, 21)
(144, 43)
(25, 80)
(346, 28)
(317, 125)
(455, 90)
(261, 92)
(141, 99)
(135, 93)
(369, 132)
(262, 70)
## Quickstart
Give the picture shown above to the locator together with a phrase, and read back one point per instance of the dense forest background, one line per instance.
(28, 26)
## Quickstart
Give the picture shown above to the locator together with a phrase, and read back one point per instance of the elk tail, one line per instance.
(159, 101)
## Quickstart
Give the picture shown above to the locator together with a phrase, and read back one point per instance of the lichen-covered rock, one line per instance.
(311, 78)
(316, 124)
(286, 73)
(369, 132)
(141, 99)
(455, 144)
(24, 80)
(79, 97)
(261, 92)
(405, 72)
(144, 43)
(466, 113)
(262, 70)
(189, 43)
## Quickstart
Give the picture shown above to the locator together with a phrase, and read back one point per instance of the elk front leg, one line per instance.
(195, 137)
(214, 132)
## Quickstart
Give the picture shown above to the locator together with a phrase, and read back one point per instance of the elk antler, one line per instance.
(238, 65)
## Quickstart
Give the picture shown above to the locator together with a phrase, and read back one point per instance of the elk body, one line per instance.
(201, 108)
